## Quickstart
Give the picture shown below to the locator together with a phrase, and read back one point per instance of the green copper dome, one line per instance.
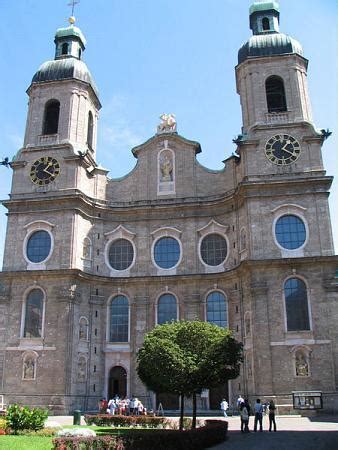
(269, 45)
(267, 39)
(64, 69)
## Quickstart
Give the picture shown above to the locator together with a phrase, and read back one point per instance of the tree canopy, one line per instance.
(187, 356)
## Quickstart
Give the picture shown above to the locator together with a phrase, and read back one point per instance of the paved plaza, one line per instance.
(293, 433)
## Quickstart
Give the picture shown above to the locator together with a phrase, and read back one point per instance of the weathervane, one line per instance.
(72, 4)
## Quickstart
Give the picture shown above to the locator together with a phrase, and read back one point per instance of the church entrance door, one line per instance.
(217, 394)
(117, 383)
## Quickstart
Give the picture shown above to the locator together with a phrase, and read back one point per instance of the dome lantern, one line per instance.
(264, 17)
(69, 41)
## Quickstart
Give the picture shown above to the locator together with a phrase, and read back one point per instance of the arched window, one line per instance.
(87, 248)
(119, 319)
(242, 239)
(275, 94)
(296, 305)
(90, 130)
(51, 119)
(33, 314)
(64, 49)
(83, 329)
(265, 24)
(166, 309)
(217, 309)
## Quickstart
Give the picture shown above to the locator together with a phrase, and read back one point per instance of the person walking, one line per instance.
(245, 413)
(224, 407)
(258, 415)
(272, 418)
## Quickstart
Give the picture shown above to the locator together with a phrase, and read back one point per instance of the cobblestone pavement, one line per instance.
(293, 433)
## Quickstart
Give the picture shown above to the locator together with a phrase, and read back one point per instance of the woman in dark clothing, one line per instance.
(245, 413)
(272, 420)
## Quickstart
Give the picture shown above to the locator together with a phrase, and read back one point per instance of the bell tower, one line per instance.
(63, 98)
(271, 73)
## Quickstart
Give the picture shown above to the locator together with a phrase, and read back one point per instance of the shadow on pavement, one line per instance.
(323, 419)
(281, 440)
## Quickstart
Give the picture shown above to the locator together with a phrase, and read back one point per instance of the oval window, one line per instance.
(290, 232)
(121, 254)
(167, 252)
(38, 246)
(213, 249)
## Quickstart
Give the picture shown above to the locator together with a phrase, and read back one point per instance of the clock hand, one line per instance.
(47, 167)
(286, 150)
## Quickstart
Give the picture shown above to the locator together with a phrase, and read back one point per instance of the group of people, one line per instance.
(126, 406)
(258, 411)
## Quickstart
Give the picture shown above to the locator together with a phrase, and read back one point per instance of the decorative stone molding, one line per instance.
(213, 227)
(166, 232)
(69, 294)
(120, 232)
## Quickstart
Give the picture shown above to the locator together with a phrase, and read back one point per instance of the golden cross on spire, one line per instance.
(72, 3)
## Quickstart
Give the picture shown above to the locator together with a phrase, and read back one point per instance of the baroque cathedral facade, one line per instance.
(92, 263)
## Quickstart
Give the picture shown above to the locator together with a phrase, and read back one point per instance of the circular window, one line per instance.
(213, 249)
(121, 254)
(167, 252)
(290, 232)
(38, 246)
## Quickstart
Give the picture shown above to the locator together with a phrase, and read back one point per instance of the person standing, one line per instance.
(245, 413)
(224, 407)
(272, 418)
(240, 400)
(258, 415)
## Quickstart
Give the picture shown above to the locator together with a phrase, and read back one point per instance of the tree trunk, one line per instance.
(194, 410)
(182, 411)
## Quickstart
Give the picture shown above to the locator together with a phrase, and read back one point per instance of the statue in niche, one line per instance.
(166, 167)
(29, 369)
(82, 369)
(302, 367)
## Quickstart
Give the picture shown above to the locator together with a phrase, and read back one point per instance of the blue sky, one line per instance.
(150, 57)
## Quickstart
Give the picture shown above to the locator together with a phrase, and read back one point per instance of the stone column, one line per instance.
(262, 368)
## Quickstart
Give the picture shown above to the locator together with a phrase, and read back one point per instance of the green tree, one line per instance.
(185, 357)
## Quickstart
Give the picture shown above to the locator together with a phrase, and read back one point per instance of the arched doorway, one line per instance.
(216, 395)
(117, 383)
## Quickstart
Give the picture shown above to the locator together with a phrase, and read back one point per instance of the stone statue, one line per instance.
(302, 368)
(166, 167)
(168, 124)
(28, 369)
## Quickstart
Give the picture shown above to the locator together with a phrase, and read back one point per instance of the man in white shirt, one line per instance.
(258, 415)
(224, 407)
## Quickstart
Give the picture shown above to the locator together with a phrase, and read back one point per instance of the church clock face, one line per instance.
(282, 149)
(44, 170)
